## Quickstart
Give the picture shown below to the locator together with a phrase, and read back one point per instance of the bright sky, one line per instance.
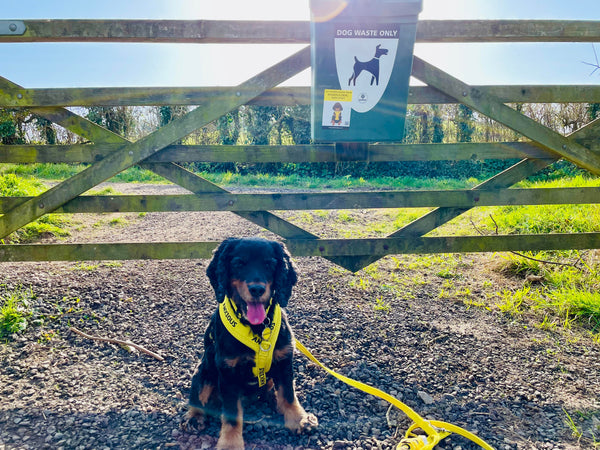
(37, 65)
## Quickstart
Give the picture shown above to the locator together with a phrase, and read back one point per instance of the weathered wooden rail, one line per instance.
(109, 153)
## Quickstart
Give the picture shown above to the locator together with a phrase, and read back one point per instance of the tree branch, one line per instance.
(119, 342)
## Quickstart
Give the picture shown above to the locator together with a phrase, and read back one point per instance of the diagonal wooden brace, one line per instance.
(440, 216)
(197, 184)
(170, 171)
(493, 107)
(131, 154)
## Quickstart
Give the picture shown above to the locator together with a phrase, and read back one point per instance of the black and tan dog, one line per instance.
(248, 345)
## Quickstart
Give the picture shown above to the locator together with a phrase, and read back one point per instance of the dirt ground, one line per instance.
(424, 329)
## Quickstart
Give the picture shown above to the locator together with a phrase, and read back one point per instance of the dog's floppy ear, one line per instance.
(285, 275)
(218, 268)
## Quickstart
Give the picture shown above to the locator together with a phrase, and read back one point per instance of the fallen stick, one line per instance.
(119, 342)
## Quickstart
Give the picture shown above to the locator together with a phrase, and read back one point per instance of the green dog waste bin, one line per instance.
(361, 61)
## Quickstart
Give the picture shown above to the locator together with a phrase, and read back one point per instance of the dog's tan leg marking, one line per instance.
(296, 419)
(204, 396)
(196, 413)
(231, 437)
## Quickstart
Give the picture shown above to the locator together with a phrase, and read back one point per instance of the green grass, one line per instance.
(576, 181)
(13, 186)
(42, 171)
(48, 225)
(57, 172)
(82, 266)
(562, 294)
(381, 305)
(572, 425)
(528, 219)
(138, 175)
(563, 307)
(56, 225)
(118, 221)
(582, 305)
(226, 179)
(547, 219)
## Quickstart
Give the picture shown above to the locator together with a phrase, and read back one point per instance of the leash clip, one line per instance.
(415, 443)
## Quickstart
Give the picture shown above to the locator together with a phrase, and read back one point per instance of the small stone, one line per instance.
(425, 397)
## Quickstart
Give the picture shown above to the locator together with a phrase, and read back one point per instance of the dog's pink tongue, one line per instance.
(256, 313)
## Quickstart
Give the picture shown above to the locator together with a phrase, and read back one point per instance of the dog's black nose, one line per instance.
(256, 290)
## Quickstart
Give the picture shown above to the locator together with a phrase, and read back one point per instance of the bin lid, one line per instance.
(324, 10)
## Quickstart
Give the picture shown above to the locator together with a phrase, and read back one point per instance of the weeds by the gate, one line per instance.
(62, 171)
(14, 311)
(51, 224)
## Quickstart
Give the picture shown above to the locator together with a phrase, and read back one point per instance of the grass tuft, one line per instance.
(582, 305)
(14, 312)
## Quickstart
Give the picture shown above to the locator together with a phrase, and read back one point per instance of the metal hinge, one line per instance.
(12, 27)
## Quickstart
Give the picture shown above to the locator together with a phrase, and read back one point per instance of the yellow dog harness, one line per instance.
(263, 345)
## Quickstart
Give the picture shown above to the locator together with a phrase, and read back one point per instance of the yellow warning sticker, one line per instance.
(337, 106)
(337, 95)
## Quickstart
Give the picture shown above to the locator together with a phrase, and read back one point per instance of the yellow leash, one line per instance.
(435, 429)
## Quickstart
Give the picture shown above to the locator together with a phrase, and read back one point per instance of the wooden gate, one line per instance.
(110, 153)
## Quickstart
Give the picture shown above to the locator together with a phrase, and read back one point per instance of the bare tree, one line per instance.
(595, 65)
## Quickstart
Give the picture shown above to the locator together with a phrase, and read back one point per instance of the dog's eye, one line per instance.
(237, 263)
(271, 263)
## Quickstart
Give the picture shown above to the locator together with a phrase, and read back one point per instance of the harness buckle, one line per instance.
(267, 346)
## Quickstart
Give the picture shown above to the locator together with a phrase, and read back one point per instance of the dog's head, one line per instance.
(251, 271)
(380, 51)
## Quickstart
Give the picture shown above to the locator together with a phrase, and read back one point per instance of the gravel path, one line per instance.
(407, 328)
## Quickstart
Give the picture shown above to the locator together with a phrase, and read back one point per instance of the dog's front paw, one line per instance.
(230, 445)
(301, 422)
(193, 420)
(309, 422)
(230, 438)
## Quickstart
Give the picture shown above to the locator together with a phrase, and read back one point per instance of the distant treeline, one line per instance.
(273, 125)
